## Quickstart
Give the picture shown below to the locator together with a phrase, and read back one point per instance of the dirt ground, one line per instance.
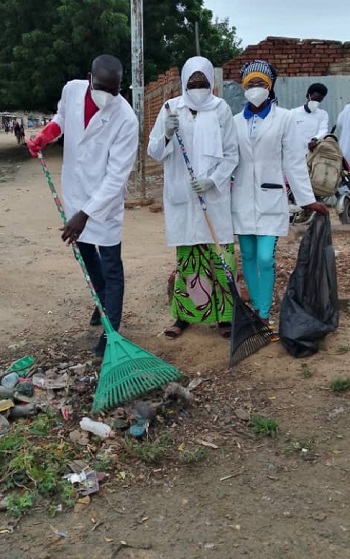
(254, 498)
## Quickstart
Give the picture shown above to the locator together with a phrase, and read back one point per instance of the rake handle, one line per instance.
(204, 208)
(104, 318)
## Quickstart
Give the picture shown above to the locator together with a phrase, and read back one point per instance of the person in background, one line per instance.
(269, 147)
(311, 120)
(200, 293)
(343, 123)
(100, 145)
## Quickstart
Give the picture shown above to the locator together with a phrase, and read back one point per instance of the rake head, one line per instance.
(128, 372)
(248, 334)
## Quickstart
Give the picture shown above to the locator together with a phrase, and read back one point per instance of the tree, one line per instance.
(44, 44)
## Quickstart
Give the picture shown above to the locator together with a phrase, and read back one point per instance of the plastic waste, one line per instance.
(9, 381)
(96, 427)
(309, 309)
(4, 425)
(22, 366)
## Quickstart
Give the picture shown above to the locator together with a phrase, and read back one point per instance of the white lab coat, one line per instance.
(184, 220)
(343, 123)
(259, 200)
(97, 162)
(310, 125)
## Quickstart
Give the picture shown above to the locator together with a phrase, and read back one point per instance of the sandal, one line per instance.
(176, 330)
(225, 329)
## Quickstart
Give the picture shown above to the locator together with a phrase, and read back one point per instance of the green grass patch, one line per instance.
(340, 384)
(263, 426)
(33, 461)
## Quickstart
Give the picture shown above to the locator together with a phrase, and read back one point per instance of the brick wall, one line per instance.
(295, 57)
(156, 93)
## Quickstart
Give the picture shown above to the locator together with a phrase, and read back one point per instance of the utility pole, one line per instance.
(196, 32)
(138, 96)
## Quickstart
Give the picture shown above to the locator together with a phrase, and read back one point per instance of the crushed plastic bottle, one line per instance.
(96, 427)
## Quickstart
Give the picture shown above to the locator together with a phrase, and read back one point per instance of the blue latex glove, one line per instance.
(201, 185)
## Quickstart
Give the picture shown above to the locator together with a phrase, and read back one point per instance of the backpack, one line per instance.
(325, 166)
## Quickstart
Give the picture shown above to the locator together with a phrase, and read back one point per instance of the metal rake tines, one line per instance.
(251, 345)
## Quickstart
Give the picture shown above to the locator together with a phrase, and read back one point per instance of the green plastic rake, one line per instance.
(127, 371)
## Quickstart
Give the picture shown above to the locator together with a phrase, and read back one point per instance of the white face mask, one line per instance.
(256, 95)
(101, 98)
(198, 96)
(313, 105)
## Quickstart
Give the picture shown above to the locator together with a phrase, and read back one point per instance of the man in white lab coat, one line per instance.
(311, 120)
(343, 124)
(100, 144)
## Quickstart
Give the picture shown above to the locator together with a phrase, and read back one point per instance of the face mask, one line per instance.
(101, 98)
(198, 96)
(313, 105)
(256, 95)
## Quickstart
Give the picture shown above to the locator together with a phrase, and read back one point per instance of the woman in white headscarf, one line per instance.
(205, 122)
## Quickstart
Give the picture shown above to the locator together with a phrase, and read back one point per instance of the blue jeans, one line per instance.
(258, 264)
(106, 271)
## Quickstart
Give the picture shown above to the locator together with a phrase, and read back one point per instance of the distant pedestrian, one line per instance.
(311, 120)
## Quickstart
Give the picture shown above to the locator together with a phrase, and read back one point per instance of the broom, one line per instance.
(248, 333)
(127, 371)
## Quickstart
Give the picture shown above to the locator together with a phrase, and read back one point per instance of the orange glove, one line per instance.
(47, 135)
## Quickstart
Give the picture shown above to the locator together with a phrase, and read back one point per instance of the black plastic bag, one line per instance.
(309, 309)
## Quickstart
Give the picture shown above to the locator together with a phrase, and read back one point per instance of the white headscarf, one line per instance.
(207, 135)
(198, 64)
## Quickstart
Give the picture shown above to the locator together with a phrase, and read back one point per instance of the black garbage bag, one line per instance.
(309, 309)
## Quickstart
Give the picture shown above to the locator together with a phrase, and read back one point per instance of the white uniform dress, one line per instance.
(97, 162)
(259, 200)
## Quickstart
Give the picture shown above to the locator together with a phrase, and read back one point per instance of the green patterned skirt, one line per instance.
(201, 293)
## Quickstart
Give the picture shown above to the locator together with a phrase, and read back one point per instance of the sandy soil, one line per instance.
(279, 503)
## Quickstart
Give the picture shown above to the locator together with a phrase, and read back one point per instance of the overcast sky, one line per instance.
(306, 19)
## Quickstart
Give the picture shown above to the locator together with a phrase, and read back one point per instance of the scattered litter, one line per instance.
(87, 481)
(10, 381)
(66, 411)
(206, 443)
(195, 382)
(5, 393)
(24, 411)
(59, 534)
(96, 427)
(22, 366)
(176, 391)
(143, 410)
(25, 387)
(5, 405)
(4, 425)
(139, 428)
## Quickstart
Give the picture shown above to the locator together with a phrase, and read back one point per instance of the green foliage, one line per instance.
(193, 454)
(150, 452)
(17, 505)
(263, 426)
(44, 44)
(29, 461)
(305, 371)
(340, 384)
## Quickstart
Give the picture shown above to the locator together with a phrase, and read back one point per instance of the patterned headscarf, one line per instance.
(259, 69)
